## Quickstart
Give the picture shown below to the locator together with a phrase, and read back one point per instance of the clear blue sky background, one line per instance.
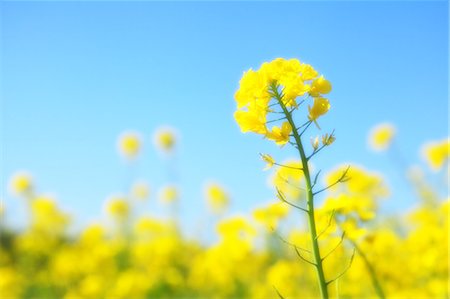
(75, 75)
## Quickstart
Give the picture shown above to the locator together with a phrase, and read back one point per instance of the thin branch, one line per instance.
(283, 199)
(316, 177)
(290, 167)
(307, 126)
(335, 247)
(275, 120)
(303, 258)
(278, 293)
(289, 243)
(290, 184)
(341, 179)
(328, 225)
(298, 128)
(345, 270)
(316, 151)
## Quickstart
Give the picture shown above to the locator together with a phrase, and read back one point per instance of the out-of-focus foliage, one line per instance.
(248, 256)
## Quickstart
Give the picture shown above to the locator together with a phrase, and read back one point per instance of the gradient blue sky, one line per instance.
(76, 74)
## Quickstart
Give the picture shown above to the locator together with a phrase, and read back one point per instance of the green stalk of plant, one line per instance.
(317, 259)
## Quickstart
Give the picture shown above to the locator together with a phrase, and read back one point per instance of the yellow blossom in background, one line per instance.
(437, 153)
(129, 144)
(319, 108)
(271, 214)
(140, 190)
(356, 180)
(165, 139)
(216, 197)
(381, 136)
(168, 194)
(47, 216)
(236, 227)
(21, 184)
(118, 207)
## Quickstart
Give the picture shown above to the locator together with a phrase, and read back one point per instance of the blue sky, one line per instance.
(77, 74)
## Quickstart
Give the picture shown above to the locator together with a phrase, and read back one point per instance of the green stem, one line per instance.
(323, 286)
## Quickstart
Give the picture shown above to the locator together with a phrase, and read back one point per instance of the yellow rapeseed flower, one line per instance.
(140, 190)
(21, 183)
(165, 139)
(280, 135)
(118, 207)
(129, 144)
(168, 194)
(252, 120)
(283, 81)
(381, 136)
(437, 153)
(319, 108)
(320, 86)
(216, 197)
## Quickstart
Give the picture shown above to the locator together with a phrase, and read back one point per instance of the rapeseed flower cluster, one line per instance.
(296, 81)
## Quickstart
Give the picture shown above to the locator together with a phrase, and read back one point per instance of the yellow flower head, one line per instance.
(21, 183)
(252, 120)
(381, 136)
(118, 207)
(319, 108)
(320, 86)
(278, 82)
(140, 190)
(437, 153)
(216, 197)
(129, 144)
(168, 194)
(280, 135)
(165, 139)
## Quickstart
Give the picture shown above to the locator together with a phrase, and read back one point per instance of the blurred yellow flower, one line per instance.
(216, 197)
(271, 214)
(168, 194)
(46, 215)
(437, 153)
(118, 207)
(140, 190)
(381, 136)
(165, 139)
(129, 144)
(21, 184)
